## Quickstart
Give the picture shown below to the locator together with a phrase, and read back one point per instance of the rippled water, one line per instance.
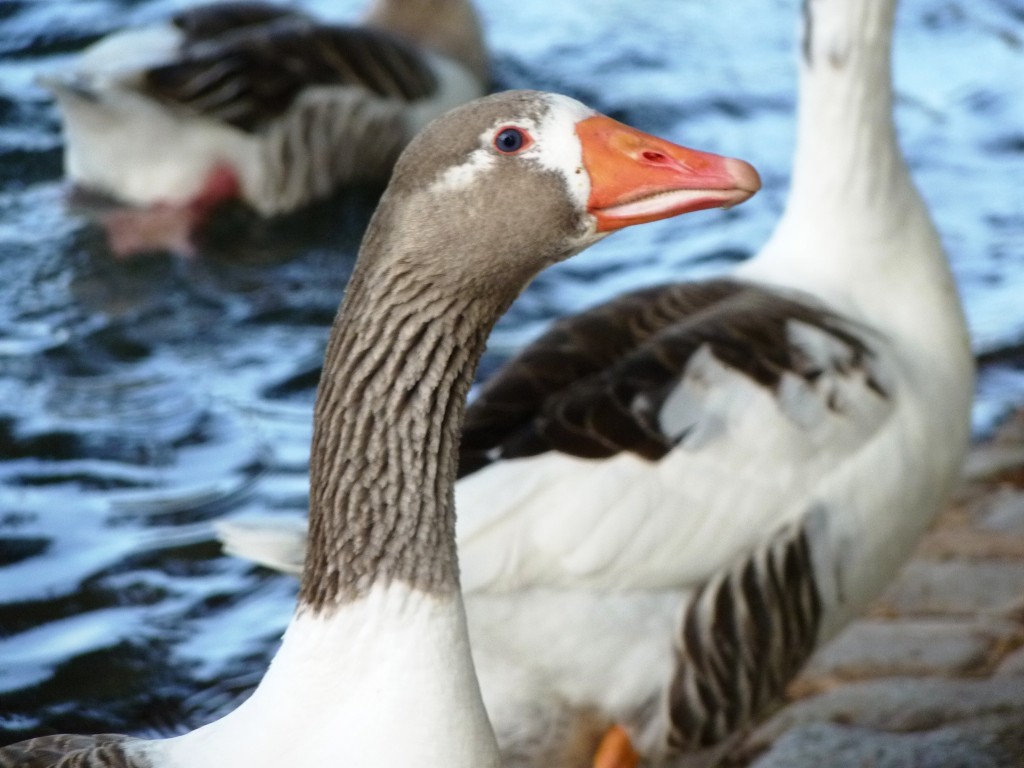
(142, 400)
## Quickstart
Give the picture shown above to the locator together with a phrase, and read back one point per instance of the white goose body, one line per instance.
(669, 501)
(382, 701)
(375, 667)
(262, 102)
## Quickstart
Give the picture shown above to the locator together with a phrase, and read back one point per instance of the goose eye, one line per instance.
(508, 141)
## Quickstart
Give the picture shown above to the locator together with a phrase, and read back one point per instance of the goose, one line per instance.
(258, 102)
(669, 501)
(375, 667)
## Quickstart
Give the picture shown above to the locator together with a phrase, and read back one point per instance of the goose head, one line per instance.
(531, 178)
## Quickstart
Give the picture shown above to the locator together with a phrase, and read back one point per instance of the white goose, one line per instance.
(668, 502)
(259, 102)
(375, 667)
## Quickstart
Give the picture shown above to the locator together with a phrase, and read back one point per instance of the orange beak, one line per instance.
(636, 177)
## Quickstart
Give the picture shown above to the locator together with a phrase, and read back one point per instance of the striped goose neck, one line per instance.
(848, 153)
(398, 365)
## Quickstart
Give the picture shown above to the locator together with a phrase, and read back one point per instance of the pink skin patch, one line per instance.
(167, 226)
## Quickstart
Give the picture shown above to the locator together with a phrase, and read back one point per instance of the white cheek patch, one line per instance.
(464, 175)
(558, 146)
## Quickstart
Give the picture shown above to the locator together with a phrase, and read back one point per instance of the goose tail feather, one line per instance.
(278, 544)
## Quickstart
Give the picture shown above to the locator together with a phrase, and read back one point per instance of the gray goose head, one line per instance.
(525, 179)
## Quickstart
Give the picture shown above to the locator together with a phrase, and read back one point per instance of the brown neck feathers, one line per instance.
(386, 427)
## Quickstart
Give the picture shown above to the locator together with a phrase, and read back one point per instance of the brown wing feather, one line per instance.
(743, 638)
(72, 751)
(594, 384)
(252, 75)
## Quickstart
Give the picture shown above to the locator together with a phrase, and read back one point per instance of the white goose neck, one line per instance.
(853, 218)
(856, 233)
(848, 152)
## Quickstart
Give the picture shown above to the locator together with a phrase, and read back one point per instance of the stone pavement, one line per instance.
(933, 676)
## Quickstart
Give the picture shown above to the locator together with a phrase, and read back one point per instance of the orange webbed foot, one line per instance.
(616, 750)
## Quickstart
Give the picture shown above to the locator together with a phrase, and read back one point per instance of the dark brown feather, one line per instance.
(594, 384)
(742, 639)
(72, 751)
(248, 76)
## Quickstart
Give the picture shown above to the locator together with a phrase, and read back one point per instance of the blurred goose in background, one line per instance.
(375, 668)
(257, 102)
(668, 502)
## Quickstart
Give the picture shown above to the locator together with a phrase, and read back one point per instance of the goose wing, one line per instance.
(650, 441)
(251, 75)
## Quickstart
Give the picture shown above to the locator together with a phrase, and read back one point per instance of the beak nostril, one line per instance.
(653, 156)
